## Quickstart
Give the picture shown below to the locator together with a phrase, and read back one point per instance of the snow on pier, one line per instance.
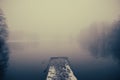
(59, 69)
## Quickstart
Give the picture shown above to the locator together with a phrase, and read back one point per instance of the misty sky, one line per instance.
(56, 24)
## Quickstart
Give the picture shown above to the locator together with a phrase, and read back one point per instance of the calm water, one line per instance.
(41, 29)
(29, 60)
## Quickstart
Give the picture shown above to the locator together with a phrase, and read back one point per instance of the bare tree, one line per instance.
(3, 46)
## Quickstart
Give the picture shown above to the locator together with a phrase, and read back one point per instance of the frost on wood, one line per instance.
(59, 69)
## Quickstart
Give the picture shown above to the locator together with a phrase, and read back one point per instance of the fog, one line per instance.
(40, 29)
(56, 25)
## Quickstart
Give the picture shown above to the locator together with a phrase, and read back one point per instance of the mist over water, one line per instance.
(104, 40)
(103, 44)
(39, 30)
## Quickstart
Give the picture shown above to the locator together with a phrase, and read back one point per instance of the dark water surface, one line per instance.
(28, 62)
(86, 31)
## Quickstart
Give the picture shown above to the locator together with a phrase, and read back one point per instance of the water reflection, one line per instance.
(107, 42)
(28, 60)
(24, 66)
(3, 59)
(103, 42)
